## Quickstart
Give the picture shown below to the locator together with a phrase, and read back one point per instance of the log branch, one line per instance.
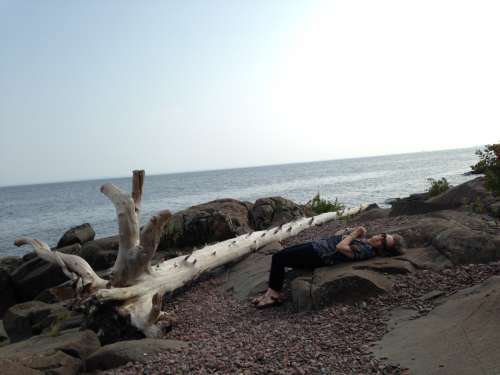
(137, 185)
(73, 266)
(128, 223)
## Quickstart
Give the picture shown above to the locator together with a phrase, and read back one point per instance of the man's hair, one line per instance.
(398, 247)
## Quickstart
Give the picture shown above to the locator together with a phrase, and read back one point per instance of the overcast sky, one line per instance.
(94, 89)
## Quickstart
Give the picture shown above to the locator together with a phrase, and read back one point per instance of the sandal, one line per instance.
(268, 301)
(256, 300)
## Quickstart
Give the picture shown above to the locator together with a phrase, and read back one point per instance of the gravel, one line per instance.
(231, 337)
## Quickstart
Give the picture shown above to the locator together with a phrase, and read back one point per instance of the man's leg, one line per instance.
(297, 256)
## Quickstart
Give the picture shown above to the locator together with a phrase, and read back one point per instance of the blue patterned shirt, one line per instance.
(327, 250)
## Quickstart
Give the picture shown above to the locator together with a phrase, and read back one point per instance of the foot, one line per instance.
(271, 297)
(267, 301)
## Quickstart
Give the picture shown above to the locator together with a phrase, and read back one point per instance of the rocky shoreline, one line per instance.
(331, 324)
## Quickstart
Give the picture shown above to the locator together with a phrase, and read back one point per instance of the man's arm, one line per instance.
(344, 245)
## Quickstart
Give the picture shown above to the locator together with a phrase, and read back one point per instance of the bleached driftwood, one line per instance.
(136, 288)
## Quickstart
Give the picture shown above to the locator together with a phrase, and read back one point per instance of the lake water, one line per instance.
(46, 211)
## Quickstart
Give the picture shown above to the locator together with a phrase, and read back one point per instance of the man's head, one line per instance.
(387, 244)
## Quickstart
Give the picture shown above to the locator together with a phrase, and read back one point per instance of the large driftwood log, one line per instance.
(135, 288)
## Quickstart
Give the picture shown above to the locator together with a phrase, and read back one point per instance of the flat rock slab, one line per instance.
(386, 265)
(78, 344)
(426, 258)
(120, 353)
(250, 276)
(346, 283)
(460, 337)
(14, 368)
(63, 355)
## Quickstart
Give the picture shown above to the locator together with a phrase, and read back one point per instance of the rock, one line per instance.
(343, 283)
(461, 236)
(56, 362)
(100, 253)
(434, 294)
(301, 292)
(274, 211)
(4, 338)
(471, 193)
(460, 336)
(463, 246)
(373, 214)
(387, 266)
(99, 258)
(79, 234)
(468, 193)
(34, 276)
(413, 205)
(494, 209)
(426, 258)
(10, 263)
(107, 243)
(24, 320)
(339, 283)
(15, 368)
(57, 294)
(61, 354)
(120, 353)
(7, 295)
(250, 276)
(206, 223)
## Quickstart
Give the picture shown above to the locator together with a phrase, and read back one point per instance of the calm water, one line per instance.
(46, 211)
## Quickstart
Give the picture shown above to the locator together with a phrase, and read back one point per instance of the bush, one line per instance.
(437, 186)
(320, 206)
(489, 164)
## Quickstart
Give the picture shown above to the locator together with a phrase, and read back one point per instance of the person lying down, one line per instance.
(349, 246)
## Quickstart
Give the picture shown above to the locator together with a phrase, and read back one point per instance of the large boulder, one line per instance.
(99, 258)
(34, 276)
(26, 319)
(7, 295)
(63, 354)
(274, 211)
(120, 353)
(206, 223)
(461, 236)
(100, 254)
(472, 194)
(79, 234)
(463, 245)
(10, 263)
(59, 293)
(460, 336)
(413, 205)
(4, 338)
(346, 283)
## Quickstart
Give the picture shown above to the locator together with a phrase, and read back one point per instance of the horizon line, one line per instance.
(235, 168)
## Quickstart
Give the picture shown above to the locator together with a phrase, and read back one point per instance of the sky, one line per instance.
(95, 89)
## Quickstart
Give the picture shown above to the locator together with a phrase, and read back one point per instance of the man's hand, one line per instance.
(358, 232)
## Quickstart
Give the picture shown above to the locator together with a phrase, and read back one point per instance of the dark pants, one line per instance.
(297, 256)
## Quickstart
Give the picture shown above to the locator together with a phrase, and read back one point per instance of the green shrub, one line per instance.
(437, 186)
(319, 205)
(489, 164)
